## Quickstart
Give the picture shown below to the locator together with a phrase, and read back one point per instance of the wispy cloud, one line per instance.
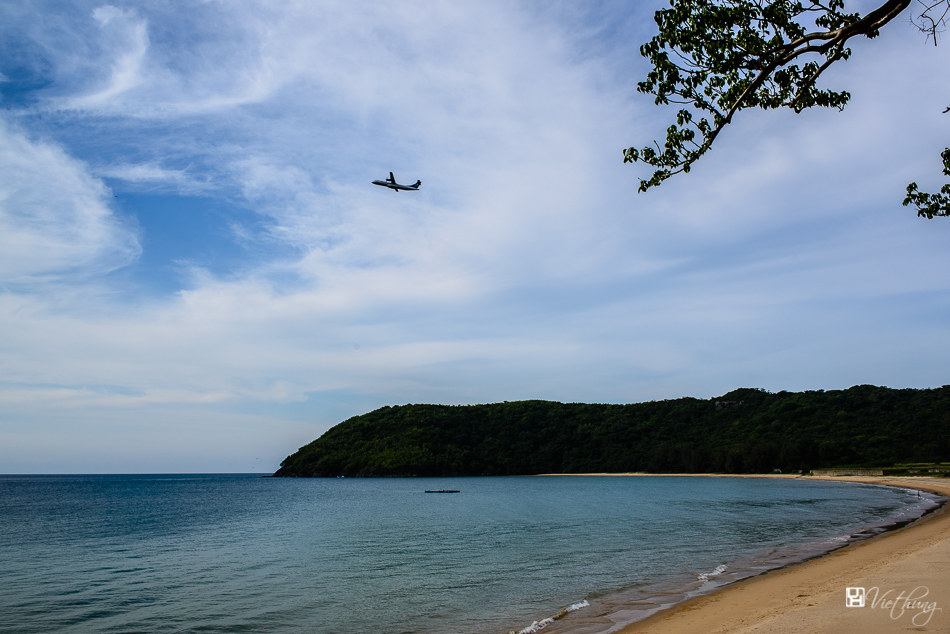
(151, 175)
(129, 39)
(55, 219)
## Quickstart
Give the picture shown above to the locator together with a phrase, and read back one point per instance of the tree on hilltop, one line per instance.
(717, 57)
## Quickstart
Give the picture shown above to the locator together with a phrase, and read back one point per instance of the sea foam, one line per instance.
(537, 626)
(715, 573)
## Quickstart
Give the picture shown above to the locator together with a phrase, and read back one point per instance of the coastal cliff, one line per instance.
(744, 431)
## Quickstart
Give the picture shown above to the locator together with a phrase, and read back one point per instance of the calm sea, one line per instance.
(241, 553)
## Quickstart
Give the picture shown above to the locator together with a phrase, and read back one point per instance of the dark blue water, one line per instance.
(241, 553)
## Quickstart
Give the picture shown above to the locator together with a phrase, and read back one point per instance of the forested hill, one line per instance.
(744, 431)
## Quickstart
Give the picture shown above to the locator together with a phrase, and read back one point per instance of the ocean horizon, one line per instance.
(246, 553)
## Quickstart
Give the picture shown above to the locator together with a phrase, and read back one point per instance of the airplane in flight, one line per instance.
(393, 185)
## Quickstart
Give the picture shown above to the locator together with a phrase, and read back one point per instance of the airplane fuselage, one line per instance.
(393, 185)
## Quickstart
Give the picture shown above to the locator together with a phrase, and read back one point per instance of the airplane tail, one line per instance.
(417, 183)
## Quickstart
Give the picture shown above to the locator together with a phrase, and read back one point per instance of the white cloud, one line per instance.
(128, 43)
(55, 218)
(152, 175)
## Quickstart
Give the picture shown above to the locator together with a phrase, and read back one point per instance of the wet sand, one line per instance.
(910, 567)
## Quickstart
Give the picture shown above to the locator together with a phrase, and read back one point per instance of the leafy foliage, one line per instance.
(745, 431)
(931, 205)
(717, 57)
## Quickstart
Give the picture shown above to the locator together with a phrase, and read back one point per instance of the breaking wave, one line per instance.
(537, 626)
(715, 573)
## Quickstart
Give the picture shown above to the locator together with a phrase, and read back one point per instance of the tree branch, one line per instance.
(740, 54)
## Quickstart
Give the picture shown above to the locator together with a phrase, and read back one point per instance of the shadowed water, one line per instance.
(241, 553)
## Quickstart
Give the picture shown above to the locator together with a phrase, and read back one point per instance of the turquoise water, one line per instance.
(241, 553)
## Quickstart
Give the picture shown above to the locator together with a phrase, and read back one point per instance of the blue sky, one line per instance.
(197, 275)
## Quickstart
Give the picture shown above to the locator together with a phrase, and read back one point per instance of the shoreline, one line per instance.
(907, 564)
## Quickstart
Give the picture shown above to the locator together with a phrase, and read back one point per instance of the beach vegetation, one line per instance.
(744, 431)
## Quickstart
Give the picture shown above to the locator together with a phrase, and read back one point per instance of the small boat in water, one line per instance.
(441, 491)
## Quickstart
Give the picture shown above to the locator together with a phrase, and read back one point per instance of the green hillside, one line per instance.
(744, 431)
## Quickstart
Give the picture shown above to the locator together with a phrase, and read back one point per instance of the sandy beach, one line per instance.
(904, 574)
